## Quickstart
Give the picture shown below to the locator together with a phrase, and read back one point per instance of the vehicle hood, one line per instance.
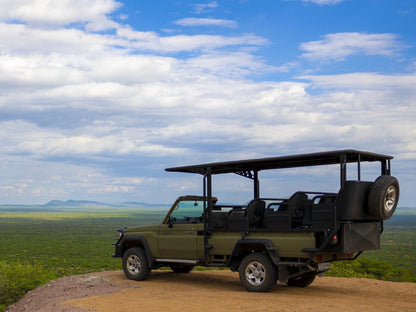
(147, 227)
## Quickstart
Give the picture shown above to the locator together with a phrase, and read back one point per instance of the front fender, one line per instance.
(127, 242)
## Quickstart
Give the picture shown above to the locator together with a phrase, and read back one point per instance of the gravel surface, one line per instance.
(212, 291)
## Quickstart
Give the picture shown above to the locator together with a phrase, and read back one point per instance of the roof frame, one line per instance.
(247, 168)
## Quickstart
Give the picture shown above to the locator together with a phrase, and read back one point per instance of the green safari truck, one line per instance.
(290, 240)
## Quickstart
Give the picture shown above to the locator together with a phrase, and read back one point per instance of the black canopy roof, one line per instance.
(281, 162)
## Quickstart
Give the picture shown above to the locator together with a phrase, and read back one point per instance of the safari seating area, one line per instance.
(303, 211)
(298, 213)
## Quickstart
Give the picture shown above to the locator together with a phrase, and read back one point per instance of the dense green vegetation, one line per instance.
(396, 261)
(16, 279)
(68, 242)
(38, 244)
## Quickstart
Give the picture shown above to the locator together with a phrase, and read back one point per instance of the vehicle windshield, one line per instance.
(188, 209)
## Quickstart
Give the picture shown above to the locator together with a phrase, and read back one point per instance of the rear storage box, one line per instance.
(354, 237)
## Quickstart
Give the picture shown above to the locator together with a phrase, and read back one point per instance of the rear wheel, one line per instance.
(135, 264)
(302, 280)
(258, 273)
(383, 197)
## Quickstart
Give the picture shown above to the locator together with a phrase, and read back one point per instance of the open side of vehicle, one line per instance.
(287, 239)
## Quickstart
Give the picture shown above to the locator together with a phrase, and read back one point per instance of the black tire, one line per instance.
(383, 197)
(302, 280)
(135, 265)
(177, 268)
(258, 273)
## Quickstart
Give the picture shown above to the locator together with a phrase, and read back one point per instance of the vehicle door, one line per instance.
(178, 239)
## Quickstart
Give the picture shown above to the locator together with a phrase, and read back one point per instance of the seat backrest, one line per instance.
(217, 220)
(255, 213)
(297, 205)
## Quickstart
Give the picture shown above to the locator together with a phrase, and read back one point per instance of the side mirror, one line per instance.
(171, 221)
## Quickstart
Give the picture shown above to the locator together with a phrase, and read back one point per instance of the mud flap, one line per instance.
(283, 273)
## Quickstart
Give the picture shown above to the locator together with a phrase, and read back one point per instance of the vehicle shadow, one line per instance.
(224, 280)
(220, 280)
(204, 278)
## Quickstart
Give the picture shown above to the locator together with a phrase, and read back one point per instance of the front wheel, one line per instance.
(258, 273)
(135, 264)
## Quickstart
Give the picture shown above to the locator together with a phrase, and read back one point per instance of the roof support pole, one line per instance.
(208, 210)
(343, 169)
(256, 184)
(388, 167)
(209, 189)
(359, 167)
(385, 167)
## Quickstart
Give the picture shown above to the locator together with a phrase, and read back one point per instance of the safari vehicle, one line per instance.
(290, 240)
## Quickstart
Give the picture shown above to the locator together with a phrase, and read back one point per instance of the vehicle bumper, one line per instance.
(118, 250)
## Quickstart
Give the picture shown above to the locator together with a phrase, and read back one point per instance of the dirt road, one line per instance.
(213, 291)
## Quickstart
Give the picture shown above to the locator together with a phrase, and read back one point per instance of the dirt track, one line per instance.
(213, 291)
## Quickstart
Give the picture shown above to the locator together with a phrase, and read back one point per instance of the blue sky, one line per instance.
(97, 97)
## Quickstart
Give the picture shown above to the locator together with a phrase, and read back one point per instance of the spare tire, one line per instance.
(383, 197)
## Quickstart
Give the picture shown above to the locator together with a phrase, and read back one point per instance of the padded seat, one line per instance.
(297, 206)
(255, 213)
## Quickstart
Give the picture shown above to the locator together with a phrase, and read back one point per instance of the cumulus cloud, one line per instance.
(60, 13)
(229, 64)
(338, 46)
(101, 114)
(366, 81)
(151, 41)
(25, 40)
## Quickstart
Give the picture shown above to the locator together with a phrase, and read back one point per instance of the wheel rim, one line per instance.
(134, 265)
(390, 198)
(255, 273)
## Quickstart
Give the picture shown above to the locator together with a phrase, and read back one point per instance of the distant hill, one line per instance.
(143, 204)
(73, 203)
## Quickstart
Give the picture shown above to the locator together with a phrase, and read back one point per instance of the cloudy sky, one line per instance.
(97, 97)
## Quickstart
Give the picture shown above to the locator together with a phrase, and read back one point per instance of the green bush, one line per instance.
(16, 279)
(368, 268)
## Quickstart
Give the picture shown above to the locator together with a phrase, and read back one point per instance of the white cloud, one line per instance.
(406, 11)
(202, 7)
(23, 39)
(104, 113)
(192, 21)
(60, 13)
(106, 189)
(229, 64)
(338, 46)
(20, 137)
(151, 41)
(366, 81)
